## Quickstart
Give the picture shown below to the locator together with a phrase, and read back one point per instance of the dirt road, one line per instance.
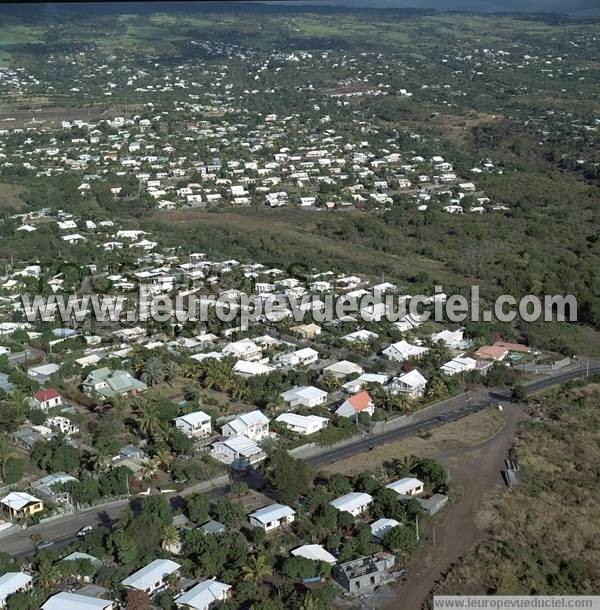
(477, 472)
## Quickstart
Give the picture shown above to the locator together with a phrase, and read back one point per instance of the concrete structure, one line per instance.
(304, 396)
(408, 486)
(13, 582)
(365, 573)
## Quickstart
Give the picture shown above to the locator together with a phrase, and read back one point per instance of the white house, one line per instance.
(46, 399)
(13, 582)
(153, 577)
(412, 384)
(356, 385)
(302, 424)
(343, 369)
(403, 350)
(247, 369)
(451, 338)
(354, 503)
(408, 486)
(237, 449)
(195, 425)
(381, 527)
(74, 601)
(315, 552)
(272, 517)
(304, 396)
(244, 349)
(457, 365)
(204, 596)
(253, 425)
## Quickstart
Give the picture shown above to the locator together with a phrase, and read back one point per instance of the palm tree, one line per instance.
(48, 575)
(436, 388)
(163, 457)
(170, 537)
(147, 419)
(96, 461)
(171, 370)
(257, 569)
(7, 452)
(153, 371)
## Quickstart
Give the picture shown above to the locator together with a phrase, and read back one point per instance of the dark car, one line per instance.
(44, 544)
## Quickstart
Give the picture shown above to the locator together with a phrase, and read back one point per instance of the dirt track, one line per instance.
(477, 472)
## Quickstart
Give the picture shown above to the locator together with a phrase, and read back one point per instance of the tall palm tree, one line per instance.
(170, 536)
(96, 461)
(257, 569)
(153, 371)
(7, 452)
(171, 370)
(147, 419)
(163, 457)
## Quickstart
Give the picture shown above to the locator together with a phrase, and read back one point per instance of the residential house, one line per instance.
(206, 595)
(412, 384)
(253, 425)
(109, 384)
(381, 527)
(238, 450)
(402, 350)
(302, 424)
(244, 349)
(194, 425)
(355, 404)
(354, 503)
(14, 582)
(451, 338)
(75, 601)
(304, 396)
(343, 369)
(248, 369)
(46, 399)
(272, 517)
(356, 385)
(457, 365)
(314, 552)
(408, 486)
(21, 504)
(153, 577)
(307, 331)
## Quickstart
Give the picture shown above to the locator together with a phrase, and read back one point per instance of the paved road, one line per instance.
(64, 530)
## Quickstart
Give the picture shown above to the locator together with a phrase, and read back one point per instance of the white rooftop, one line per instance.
(12, 582)
(73, 601)
(17, 500)
(403, 486)
(381, 527)
(352, 501)
(203, 595)
(273, 512)
(197, 417)
(315, 552)
(154, 572)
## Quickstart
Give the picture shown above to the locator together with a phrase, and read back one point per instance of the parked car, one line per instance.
(84, 531)
(44, 544)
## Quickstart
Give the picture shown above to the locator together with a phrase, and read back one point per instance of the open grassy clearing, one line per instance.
(462, 434)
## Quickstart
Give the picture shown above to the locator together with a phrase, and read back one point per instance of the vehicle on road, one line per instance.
(84, 531)
(44, 544)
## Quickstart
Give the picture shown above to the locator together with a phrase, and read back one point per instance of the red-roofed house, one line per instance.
(357, 403)
(46, 399)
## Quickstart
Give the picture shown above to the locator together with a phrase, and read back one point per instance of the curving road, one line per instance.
(63, 530)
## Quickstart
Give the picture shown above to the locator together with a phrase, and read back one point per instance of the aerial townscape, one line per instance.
(215, 391)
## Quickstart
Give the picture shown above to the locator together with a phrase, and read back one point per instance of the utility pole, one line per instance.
(417, 526)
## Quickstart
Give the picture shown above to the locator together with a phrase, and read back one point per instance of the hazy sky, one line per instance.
(577, 7)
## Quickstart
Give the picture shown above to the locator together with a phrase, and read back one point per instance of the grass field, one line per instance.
(10, 196)
(462, 434)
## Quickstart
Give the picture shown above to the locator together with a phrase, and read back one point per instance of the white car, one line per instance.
(84, 531)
